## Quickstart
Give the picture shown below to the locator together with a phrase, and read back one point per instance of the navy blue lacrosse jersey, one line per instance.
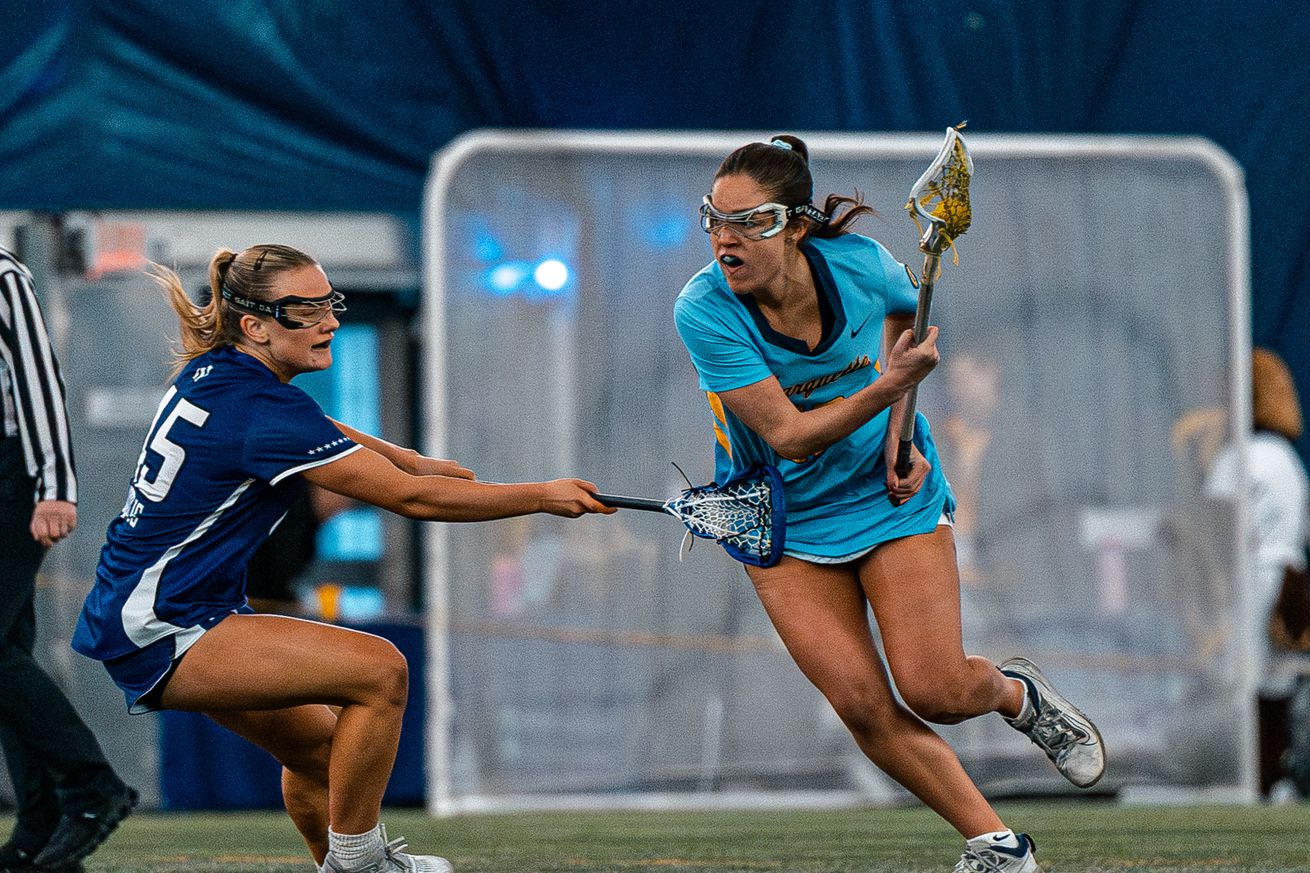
(209, 487)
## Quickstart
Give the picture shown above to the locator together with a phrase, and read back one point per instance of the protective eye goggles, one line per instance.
(293, 313)
(762, 222)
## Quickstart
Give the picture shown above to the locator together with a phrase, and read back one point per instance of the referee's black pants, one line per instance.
(54, 761)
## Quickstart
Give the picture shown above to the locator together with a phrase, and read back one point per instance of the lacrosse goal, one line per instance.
(572, 663)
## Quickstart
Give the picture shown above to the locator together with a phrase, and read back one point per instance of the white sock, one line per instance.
(1026, 708)
(994, 838)
(347, 848)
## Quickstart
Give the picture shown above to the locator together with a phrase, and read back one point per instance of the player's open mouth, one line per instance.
(730, 260)
(323, 345)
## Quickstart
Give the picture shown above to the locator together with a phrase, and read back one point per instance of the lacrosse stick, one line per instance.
(746, 515)
(940, 199)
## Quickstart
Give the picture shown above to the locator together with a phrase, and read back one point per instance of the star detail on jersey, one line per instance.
(328, 446)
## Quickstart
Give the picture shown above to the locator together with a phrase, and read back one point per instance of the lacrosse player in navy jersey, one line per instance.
(168, 614)
(800, 334)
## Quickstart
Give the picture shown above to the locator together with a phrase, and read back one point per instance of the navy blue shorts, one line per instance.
(143, 674)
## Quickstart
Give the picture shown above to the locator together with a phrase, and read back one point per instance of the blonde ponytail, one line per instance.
(200, 328)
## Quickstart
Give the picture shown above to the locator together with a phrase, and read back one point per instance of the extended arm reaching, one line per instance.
(372, 478)
(408, 460)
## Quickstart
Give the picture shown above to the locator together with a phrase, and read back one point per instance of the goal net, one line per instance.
(1097, 314)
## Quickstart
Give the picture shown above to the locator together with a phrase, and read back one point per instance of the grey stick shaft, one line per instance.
(921, 313)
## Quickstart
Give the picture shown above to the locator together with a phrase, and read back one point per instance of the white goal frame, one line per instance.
(712, 145)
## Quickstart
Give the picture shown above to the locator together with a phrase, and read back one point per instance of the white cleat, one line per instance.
(984, 857)
(1057, 727)
(389, 858)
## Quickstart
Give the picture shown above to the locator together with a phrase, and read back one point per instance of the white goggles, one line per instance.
(762, 222)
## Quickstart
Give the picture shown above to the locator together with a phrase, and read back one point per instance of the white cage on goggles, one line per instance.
(762, 222)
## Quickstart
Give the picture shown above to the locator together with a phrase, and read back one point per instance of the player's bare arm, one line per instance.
(409, 460)
(368, 476)
(765, 409)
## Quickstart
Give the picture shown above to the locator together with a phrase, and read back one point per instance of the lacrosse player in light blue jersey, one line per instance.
(800, 333)
(168, 614)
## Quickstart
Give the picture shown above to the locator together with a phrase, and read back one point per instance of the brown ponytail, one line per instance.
(837, 225)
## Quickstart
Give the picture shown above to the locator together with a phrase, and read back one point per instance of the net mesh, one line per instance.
(739, 513)
(941, 195)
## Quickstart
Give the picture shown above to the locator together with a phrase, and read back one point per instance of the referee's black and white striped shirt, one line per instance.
(32, 388)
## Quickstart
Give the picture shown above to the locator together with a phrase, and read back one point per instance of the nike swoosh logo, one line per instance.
(861, 325)
(1017, 852)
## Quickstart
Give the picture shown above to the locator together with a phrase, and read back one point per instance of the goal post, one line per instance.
(1101, 298)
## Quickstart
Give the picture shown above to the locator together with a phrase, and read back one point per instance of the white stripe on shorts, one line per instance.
(946, 519)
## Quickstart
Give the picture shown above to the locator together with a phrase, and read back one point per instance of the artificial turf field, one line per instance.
(1071, 838)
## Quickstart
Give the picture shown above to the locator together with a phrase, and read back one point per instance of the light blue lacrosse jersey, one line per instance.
(210, 485)
(837, 500)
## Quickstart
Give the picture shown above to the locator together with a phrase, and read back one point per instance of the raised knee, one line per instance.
(391, 673)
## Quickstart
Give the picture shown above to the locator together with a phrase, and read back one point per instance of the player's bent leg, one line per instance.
(300, 739)
(914, 587)
(819, 612)
(263, 662)
(1057, 727)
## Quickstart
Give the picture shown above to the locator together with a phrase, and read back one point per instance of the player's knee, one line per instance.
(391, 675)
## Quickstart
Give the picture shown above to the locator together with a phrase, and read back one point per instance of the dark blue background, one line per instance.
(275, 104)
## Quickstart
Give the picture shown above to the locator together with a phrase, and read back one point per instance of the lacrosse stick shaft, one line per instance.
(620, 502)
(921, 313)
(941, 199)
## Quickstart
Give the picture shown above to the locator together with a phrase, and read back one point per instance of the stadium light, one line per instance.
(551, 274)
(507, 277)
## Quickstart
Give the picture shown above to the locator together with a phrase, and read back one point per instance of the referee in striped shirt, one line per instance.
(62, 782)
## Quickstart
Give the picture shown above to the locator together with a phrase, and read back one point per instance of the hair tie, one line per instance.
(782, 144)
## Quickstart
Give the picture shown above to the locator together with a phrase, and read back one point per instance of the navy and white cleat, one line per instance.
(1057, 727)
(984, 856)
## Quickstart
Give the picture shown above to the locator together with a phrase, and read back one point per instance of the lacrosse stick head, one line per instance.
(940, 199)
(746, 515)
